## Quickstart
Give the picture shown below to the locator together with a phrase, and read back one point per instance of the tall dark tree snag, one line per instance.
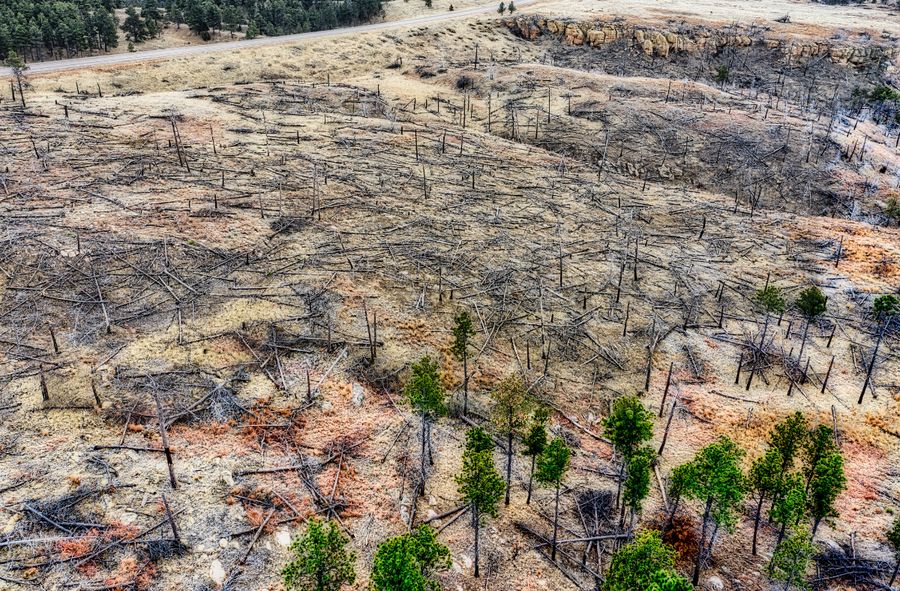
(771, 301)
(886, 309)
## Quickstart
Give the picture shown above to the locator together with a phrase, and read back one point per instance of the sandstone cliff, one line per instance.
(664, 43)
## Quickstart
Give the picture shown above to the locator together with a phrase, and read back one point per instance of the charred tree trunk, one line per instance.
(509, 458)
(759, 505)
(530, 480)
(477, 524)
(555, 524)
(702, 542)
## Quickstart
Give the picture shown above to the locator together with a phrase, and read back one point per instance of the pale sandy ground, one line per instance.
(874, 18)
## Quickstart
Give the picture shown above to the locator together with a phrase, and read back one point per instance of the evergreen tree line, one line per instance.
(41, 29)
(266, 17)
(56, 29)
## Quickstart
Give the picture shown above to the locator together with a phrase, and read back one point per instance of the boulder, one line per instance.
(574, 35)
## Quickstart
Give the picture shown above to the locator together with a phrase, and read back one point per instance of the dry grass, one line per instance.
(378, 245)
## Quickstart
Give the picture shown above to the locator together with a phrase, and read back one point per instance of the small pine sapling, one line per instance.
(535, 441)
(551, 469)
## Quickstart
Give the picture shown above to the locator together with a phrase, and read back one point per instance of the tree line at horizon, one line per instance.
(54, 29)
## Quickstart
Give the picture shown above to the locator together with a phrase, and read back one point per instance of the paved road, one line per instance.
(175, 52)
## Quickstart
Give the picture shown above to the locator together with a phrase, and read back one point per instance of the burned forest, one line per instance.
(556, 298)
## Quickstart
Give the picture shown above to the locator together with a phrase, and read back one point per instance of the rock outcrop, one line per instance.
(664, 43)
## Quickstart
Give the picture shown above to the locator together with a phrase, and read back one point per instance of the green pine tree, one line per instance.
(788, 437)
(771, 299)
(791, 560)
(508, 415)
(637, 481)
(320, 560)
(426, 395)
(765, 480)
(481, 487)
(409, 562)
(134, 26)
(790, 504)
(886, 306)
(812, 303)
(463, 331)
(644, 564)
(827, 483)
(478, 440)
(819, 443)
(718, 482)
(535, 441)
(628, 426)
(679, 480)
(551, 469)
(252, 30)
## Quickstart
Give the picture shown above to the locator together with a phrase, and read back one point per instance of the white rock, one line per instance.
(283, 537)
(223, 543)
(430, 515)
(359, 394)
(217, 572)
(467, 562)
(715, 584)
